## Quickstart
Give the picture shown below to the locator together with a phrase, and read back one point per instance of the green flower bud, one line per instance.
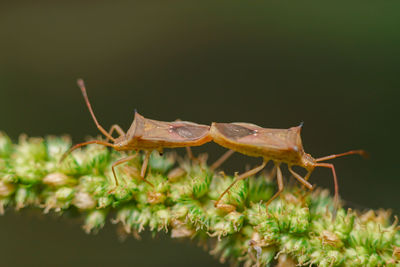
(161, 219)
(64, 194)
(104, 202)
(31, 149)
(161, 164)
(396, 254)
(269, 229)
(231, 223)
(57, 146)
(197, 216)
(84, 201)
(181, 230)
(141, 219)
(6, 189)
(24, 197)
(200, 183)
(56, 179)
(155, 197)
(179, 211)
(3, 203)
(237, 194)
(121, 194)
(95, 220)
(175, 174)
(260, 188)
(256, 214)
(6, 146)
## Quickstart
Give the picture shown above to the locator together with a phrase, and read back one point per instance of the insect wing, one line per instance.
(271, 139)
(174, 132)
(255, 136)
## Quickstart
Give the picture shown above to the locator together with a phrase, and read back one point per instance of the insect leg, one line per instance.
(308, 175)
(222, 159)
(118, 162)
(301, 179)
(280, 184)
(190, 153)
(192, 157)
(329, 165)
(272, 173)
(117, 128)
(241, 177)
(144, 165)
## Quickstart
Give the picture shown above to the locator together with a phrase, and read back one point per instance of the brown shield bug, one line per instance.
(277, 145)
(147, 135)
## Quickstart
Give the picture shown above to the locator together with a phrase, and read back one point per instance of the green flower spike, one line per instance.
(297, 228)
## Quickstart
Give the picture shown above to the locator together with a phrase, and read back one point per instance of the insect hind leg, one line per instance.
(222, 159)
(144, 167)
(190, 153)
(241, 177)
(279, 179)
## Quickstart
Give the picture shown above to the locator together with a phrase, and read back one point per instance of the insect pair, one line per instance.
(277, 145)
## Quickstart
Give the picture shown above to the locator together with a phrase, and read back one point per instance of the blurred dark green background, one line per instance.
(334, 66)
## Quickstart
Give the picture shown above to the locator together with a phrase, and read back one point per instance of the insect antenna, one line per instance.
(81, 85)
(359, 152)
(84, 144)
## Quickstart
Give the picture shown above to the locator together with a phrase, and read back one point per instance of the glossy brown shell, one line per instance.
(282, 145)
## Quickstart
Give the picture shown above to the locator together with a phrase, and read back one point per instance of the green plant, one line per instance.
(297, 228)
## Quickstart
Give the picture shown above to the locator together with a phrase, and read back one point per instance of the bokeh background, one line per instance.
(334, 66)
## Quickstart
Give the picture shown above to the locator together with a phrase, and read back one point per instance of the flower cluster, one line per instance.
(297, 228)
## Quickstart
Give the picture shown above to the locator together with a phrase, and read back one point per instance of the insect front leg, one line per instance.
(241, 177)
(301, 179)
(280, 184)
(117, 128)
(336, 198)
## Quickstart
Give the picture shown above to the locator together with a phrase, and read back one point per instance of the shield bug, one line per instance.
(277, 145)
(147, 135)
